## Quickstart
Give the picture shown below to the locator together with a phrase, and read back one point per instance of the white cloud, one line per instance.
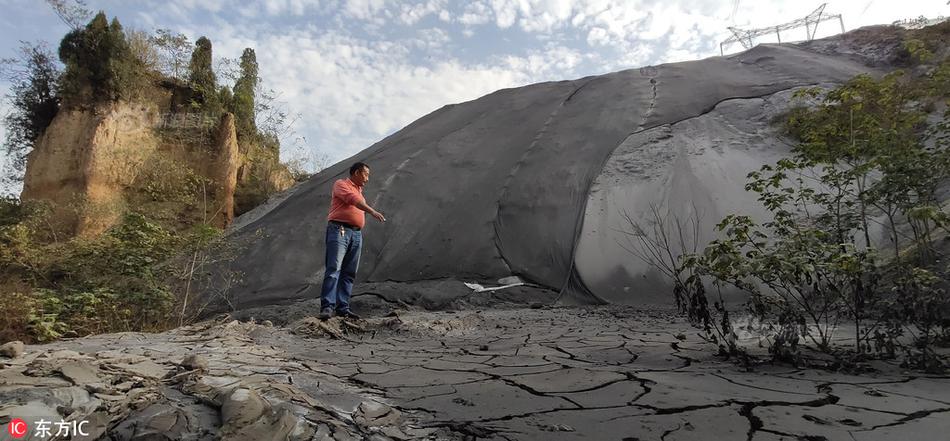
(431, 39)
(475, 13)
(356, 70)
(410, 14)
(364, 9)
(545, 15)
(598, 36)
(506, 12)
(352, 91)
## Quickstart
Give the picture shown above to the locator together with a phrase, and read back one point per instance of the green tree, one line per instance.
(243, 101)
(99, 63)
(201, 75)
(225, 96)
(35, 79)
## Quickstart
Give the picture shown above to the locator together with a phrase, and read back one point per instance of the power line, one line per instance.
(809, 22)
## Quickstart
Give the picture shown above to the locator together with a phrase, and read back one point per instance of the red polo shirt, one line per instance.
(346, 195)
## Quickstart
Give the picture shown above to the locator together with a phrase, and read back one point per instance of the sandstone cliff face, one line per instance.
(82, 162)
(88, 159)
(222, 169)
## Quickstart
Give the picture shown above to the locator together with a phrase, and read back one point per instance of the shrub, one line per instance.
(865, 156)
(83, 286)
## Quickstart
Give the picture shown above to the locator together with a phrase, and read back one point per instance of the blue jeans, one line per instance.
(343, 259)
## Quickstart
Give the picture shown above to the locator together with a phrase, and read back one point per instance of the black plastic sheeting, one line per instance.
(498, 186)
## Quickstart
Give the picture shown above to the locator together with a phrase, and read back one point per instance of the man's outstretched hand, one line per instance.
(379, 216)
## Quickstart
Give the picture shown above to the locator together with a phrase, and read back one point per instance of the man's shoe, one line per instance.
(348, 314)
(326, 313)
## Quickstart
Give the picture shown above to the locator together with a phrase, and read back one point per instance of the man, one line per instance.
(344, 240)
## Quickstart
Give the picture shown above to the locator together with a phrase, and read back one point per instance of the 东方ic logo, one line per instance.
(17, 428)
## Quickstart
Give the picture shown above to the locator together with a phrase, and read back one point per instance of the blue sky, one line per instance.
(357, 70)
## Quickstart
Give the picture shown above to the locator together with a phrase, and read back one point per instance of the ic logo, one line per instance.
(17, 428)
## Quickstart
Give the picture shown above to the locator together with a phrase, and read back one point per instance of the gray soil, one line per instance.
(544, 373)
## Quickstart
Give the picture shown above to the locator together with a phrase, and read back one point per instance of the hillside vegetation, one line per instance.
(61, 277)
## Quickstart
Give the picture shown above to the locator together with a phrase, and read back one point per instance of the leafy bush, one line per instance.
(167, 179)
(82, 286)
(866, 156)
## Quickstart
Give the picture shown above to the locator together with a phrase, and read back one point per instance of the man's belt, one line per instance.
(344, 225)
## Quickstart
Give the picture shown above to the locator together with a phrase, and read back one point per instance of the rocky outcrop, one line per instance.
(88, 159)
(83, 160)
(222, 169)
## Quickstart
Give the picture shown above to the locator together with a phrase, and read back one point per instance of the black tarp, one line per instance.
(499, 186)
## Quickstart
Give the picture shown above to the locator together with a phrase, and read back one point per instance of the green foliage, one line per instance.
(261, 177)
(202, 78)
(242, 103)
(100, 65)
(83, 286)
(865, 155)
(921, 306)
(168, 180)
(226, 97)
(35, 80)
(59, 286)
(918, 50)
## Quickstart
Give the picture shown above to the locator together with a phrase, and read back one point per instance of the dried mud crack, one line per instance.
(545, 374)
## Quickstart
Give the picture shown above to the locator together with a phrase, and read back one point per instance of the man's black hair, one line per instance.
(356, 167)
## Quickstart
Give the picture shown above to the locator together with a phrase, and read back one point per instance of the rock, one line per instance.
(195, 362)
(98, 423)
(12, 349)
(107, 397)
(373, 410)
(74, 398)
(96, 153)
(99, 388)
(286, 426)
(268, 323)
(147, 369)
(64, 353)
(80, 373)
(371, 413)
(242, 407)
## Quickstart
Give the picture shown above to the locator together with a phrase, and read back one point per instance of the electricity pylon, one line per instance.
(809, 22)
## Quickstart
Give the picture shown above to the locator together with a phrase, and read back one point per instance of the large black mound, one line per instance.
(531, 181)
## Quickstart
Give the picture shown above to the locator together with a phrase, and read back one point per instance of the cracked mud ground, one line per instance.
(599, 373)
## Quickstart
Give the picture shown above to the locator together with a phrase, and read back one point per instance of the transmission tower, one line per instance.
(809, 22)
(919, 22)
